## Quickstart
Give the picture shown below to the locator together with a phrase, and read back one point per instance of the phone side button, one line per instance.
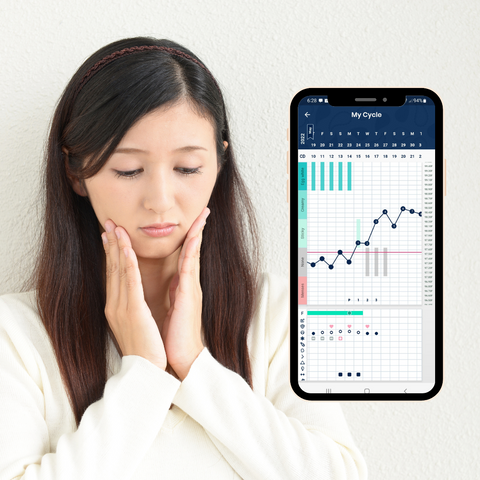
(288, 184)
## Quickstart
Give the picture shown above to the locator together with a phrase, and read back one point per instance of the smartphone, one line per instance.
(366, 193)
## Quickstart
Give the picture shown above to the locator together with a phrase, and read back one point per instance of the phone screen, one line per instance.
(367, 196)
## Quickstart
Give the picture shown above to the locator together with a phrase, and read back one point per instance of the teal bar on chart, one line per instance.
(349, 168)
(302, 219)
(331, 175)
(302, 205)
(322, 176)
(358, 229)
(302, 176)
(313, 175)
(349, 312)
(340, 176)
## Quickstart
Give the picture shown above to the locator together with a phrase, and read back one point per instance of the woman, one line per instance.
(159, 352)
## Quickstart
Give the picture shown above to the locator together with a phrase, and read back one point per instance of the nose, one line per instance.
(159, 192)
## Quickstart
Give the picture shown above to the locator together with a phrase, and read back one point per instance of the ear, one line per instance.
(225, 145)
(77, 184)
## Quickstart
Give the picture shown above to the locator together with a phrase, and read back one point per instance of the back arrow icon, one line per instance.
(307, 114)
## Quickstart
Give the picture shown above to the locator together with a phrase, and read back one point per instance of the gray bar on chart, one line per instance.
(376, 261)
(367, 262)
(302, 262)
(385, 256)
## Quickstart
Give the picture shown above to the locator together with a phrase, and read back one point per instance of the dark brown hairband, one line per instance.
(127, 51)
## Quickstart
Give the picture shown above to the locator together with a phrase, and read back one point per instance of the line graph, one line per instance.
(380, 218)
(367, 242)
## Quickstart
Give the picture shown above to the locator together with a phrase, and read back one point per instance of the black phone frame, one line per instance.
(345, 96)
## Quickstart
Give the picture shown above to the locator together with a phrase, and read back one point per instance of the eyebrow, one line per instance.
(187, 148)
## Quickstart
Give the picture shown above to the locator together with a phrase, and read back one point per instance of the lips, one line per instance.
(152, 231)
(160, 225)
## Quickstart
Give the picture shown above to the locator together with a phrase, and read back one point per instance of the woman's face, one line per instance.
(159, 150)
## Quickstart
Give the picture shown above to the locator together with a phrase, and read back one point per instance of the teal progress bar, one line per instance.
(313, 312)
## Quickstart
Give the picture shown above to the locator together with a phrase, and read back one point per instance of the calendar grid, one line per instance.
(378, 345)
(332, 222)
(364, 254)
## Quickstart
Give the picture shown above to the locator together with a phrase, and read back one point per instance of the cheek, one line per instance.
(196, 198)
(109, 200)
(198, 188)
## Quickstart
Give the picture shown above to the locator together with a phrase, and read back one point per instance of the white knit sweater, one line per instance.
(218, 428)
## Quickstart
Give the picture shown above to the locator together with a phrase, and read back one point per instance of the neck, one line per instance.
(157, 274)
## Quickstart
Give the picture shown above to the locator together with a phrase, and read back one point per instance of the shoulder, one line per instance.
(274, 289)
(20, 310)
(22, 332)
(273, 309)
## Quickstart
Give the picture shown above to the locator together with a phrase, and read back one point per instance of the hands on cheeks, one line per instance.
(182, 326)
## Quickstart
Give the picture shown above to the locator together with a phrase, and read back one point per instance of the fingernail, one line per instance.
(117, 233)
(108, 227)
(209, 211)
(104, 238)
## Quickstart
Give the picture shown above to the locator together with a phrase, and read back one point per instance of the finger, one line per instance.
(125, 237)
(173, 288)
(112, 261)
(197, 225)
(122, 272)
(187, 270)
(188, 265)
(197, 262)
(123, 242)
(194, 230)
(135, 298)
(107, 263)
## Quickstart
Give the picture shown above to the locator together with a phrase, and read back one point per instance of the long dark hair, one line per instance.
(67, 276)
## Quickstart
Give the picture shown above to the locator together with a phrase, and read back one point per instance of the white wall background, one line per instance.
(262, 53)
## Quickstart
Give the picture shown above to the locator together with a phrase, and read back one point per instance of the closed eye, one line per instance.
(134, 173)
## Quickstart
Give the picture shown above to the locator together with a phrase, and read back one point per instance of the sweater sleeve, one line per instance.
(273, 434)
(114, 433)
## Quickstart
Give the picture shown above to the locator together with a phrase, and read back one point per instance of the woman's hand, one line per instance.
(182, 327)
(128, 315)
